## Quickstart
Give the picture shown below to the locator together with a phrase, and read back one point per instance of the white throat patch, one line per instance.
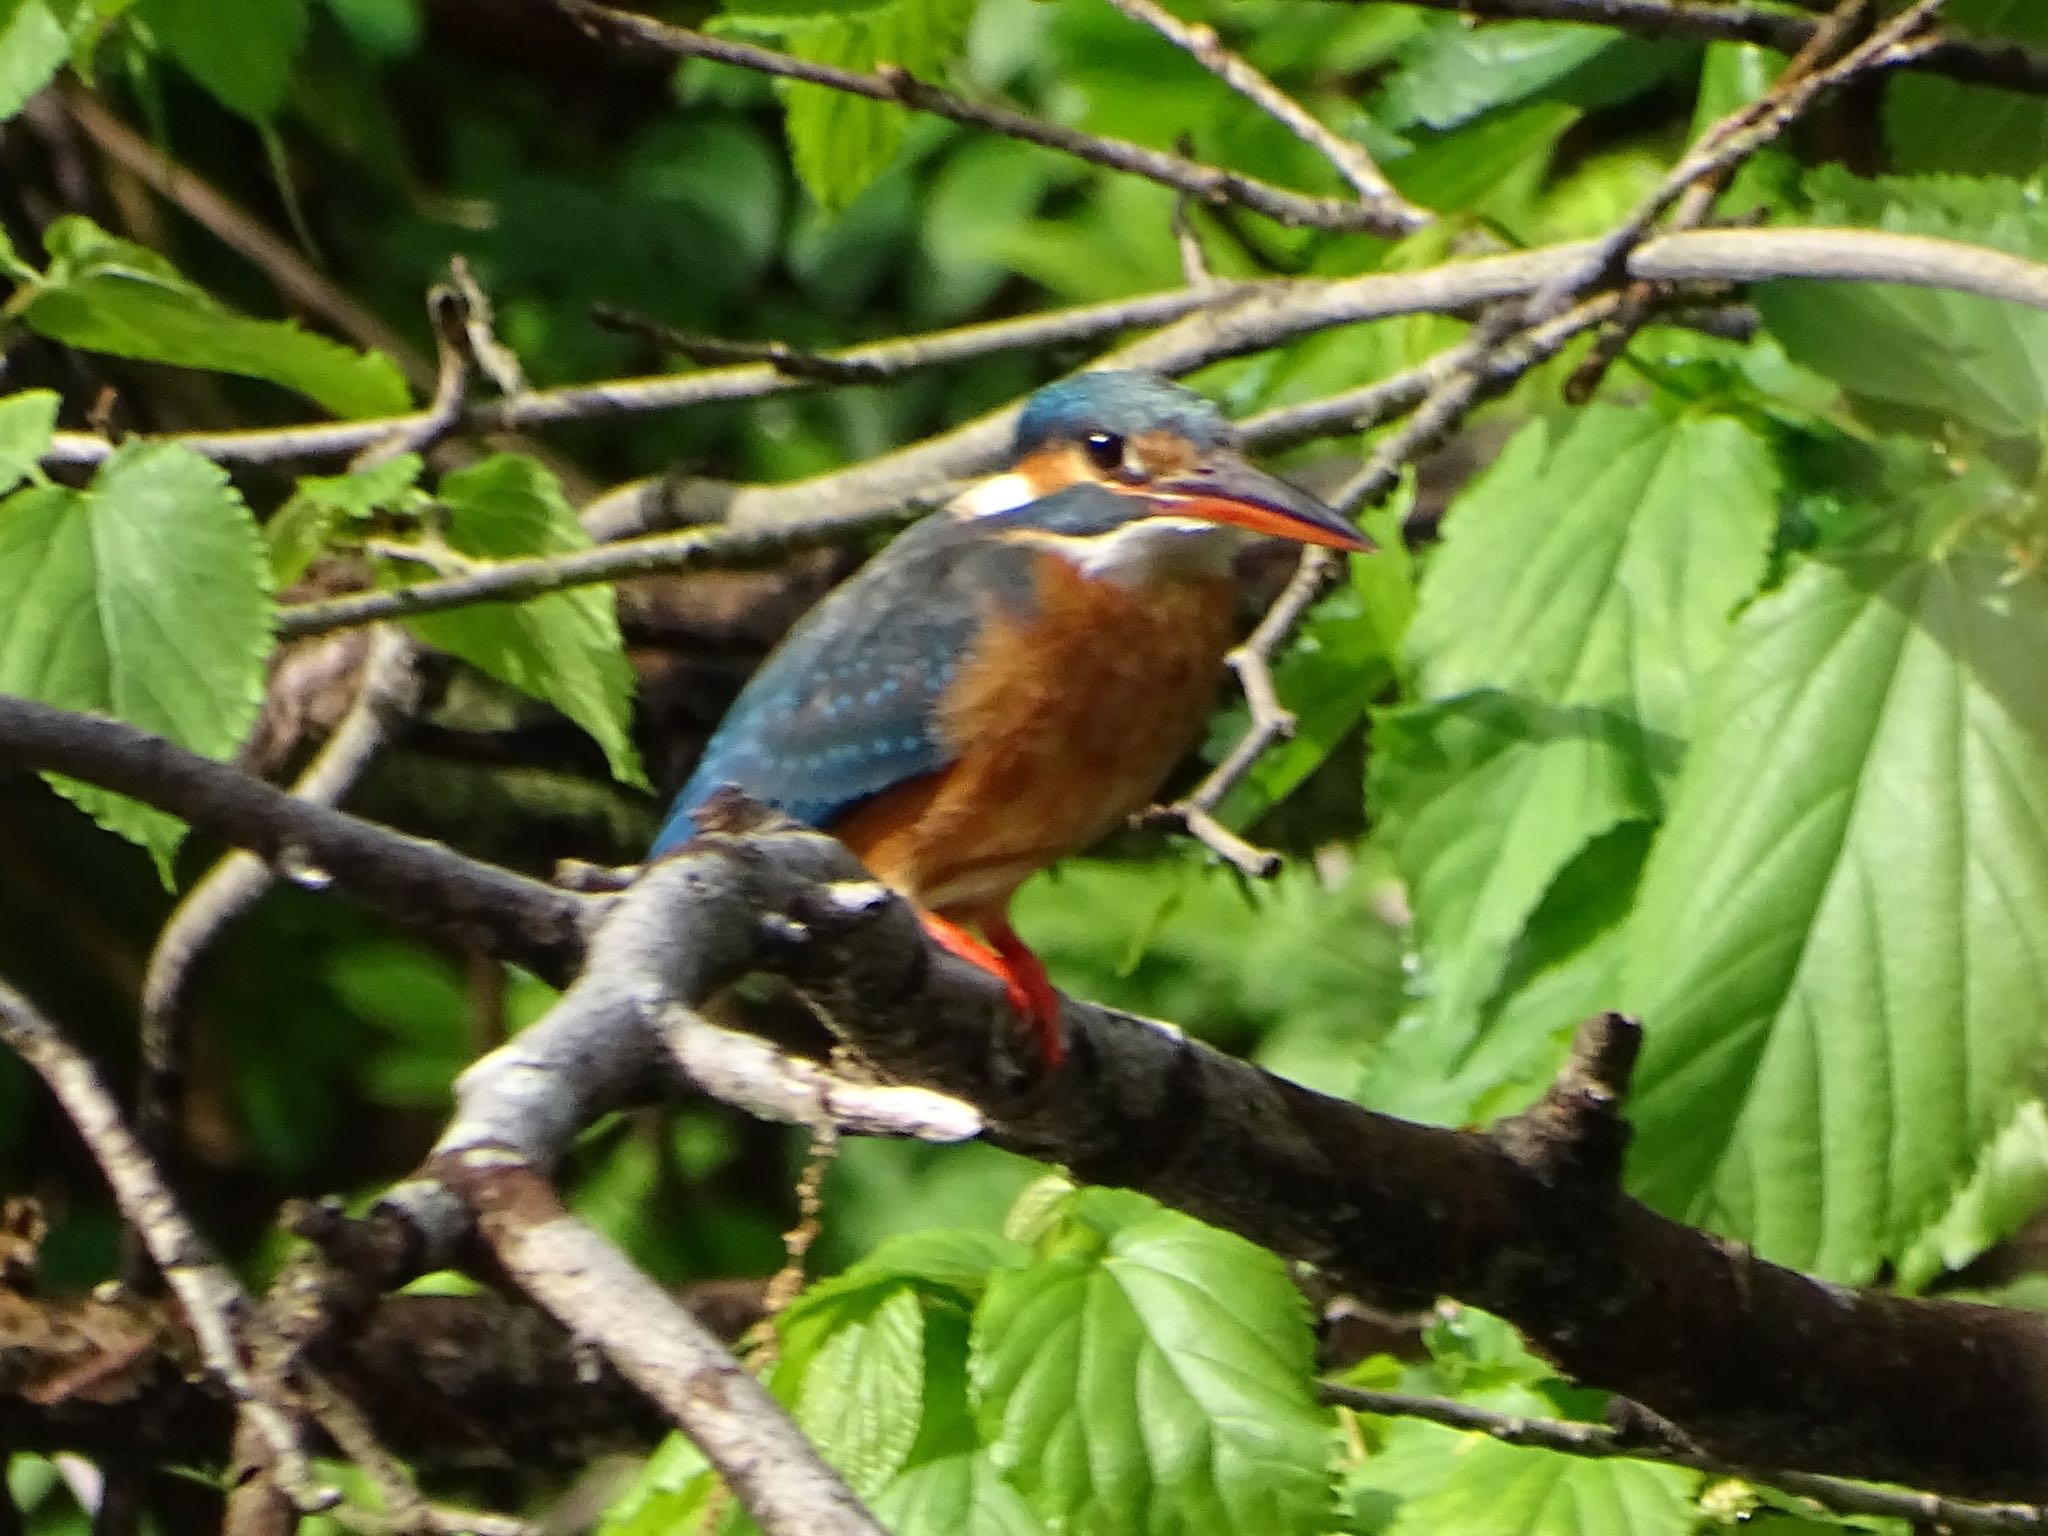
(1148, 549)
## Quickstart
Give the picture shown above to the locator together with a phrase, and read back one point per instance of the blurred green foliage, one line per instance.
(1719, 700)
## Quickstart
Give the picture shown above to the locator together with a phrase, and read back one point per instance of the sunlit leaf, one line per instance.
(562, 647)
(1957, 357)
(1834, 1037)
(109, 295)
(957, 1495)
(26, 422)
(1583, 588)
(1508, 1490)
(841, 142)
(862, 1392)
(145, 598)
(321, 506)
(1149, 1376)
(2009, 1187)
(1454, 71)
(35, 40)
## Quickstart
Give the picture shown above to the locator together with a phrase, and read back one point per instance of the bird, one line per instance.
(1012, 677)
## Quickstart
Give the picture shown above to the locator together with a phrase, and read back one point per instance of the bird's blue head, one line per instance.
(1122, 403)
(1165, 451)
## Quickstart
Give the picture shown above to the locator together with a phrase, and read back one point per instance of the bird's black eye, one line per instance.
(1106, 450)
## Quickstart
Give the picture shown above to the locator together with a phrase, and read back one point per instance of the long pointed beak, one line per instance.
(1228, 488)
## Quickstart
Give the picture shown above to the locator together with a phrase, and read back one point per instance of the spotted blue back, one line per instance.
(847, 705)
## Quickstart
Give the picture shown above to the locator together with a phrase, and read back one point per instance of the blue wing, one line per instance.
(847, 705)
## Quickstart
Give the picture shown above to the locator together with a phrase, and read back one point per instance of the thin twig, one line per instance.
(515, 580)
(1572, 1437)
(890, 83)
(451, 308)
(295, 278)
(215, 1305)
(1692, 192)
(1977, 61)
(1349, 159)
(1505, 345)
(712, 351)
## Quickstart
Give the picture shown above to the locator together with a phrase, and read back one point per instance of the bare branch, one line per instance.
(387, 693)
(1350, 160)
(890, 83)
(748, 1073)
(667, 392)
(418, 882)
(595, 1292)
(707, 351)
(1231, 320)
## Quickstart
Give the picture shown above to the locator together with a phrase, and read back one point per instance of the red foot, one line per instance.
(1021, 972)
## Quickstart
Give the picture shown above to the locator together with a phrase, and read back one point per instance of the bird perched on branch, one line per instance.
(1018, 673)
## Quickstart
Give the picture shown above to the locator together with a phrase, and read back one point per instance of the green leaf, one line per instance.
(1833, 1034)
(1150, 1375)
(382, 29)
(1582, 590)
(1485, 800)
(27, 421)
(35, 40)
(245, 63)
(144, 598)
(676, 1494)
(1509, 1490)
(563, 648)
(1466, 169)
(1732, 75)
(321, 505)
(957, 1495)
(2009, 1188)
(840, 142)
(1933, 124)
(1454, 72)
(959, 1259)
(109, 295)
(12, 267)
(1599, 567)
(861, 1394)
(1959, 358)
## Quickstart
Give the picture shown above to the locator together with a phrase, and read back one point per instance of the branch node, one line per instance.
(1575, 1136)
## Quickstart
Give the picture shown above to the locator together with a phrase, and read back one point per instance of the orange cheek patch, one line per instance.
(1055, 468)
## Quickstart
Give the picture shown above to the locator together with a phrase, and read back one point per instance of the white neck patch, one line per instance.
(1150, 549)
(998, 493)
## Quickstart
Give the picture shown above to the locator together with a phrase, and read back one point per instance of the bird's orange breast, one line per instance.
(1063, 722)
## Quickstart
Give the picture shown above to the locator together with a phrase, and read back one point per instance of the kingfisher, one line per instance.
(1011, 678)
